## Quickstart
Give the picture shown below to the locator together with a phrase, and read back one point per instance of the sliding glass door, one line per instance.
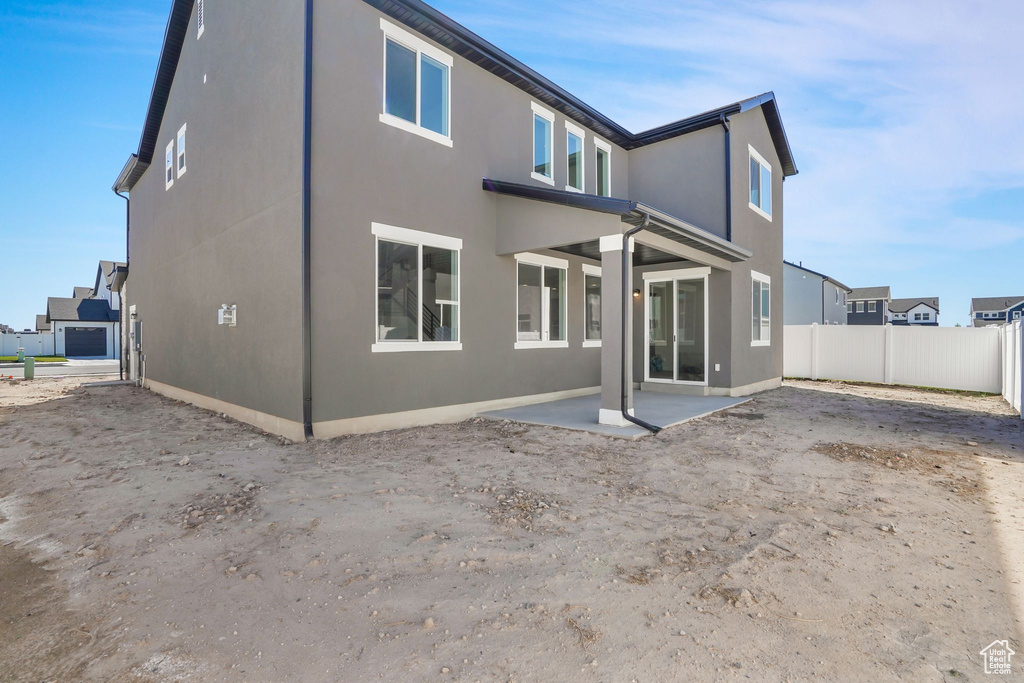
(676, 314)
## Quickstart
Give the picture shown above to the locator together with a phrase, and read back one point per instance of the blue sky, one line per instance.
(904, 118)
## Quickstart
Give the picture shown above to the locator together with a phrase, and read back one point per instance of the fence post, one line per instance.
(814, 351)
(1018, 340)
(888, 371)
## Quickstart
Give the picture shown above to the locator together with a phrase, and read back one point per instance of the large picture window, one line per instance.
(416, 85)
(760, 184)
(543, 141)
(761, 307)
(591, 305)
(540, 301)
(417, 290)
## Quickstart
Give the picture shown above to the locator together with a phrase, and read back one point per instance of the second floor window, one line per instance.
(760, 184)
(573, 157)
(416, 80)
(543, 141)
(181, 152)
(860, 306)
(872, 307)
(169, 166)
(604, 168)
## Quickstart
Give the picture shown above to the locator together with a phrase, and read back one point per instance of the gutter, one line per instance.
(307, 194)
(625, 381)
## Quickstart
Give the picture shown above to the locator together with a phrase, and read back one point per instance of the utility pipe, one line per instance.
(627, 267)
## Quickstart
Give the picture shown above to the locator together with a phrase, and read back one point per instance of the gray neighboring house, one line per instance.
(920, 311)
(868, 306)
(83, 328)
(812, 297)
(83, 293)
(377, 219)
(996, 310)
(42, 324)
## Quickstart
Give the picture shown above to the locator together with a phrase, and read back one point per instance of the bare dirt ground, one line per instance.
(817, 532)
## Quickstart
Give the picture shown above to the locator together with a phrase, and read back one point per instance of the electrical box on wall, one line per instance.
(227, 315)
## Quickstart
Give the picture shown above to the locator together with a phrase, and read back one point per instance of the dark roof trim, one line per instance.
(834, 281)
(443, 30)
(631, 212)
(174, 38)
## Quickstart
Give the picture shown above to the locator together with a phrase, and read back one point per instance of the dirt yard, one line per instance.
(816, 532)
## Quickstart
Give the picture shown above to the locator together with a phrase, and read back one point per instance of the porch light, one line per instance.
(636, 293)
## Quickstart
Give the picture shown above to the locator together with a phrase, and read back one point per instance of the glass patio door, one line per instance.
(676, 344)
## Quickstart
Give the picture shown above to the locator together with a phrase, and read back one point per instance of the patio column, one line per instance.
(611, 333)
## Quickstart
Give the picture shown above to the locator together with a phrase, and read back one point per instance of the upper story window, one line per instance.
(417, 290)
(169, 166)
(591, 305)
(760, 184)
(574, 136)
(872, 307)
(199, 19)
(603, 156)
(837, 297)
(849, 307)
(417, 76)
(181, 151)
(543, 142)
(761, 307)
(1016, 315)
(860, 306)
(540, 301)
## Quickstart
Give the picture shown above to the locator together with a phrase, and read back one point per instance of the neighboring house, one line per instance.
(402, 224)
(812, 297)
(42, 324)
(105, 281)
(83, 293)
(84, 328)
(919, 311)
(868, 306)
(996, 310)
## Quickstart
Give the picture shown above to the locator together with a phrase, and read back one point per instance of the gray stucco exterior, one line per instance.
(229, 231)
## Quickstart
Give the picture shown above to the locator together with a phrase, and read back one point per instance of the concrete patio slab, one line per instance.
(580, 413)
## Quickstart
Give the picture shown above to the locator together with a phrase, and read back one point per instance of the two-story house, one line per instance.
(920, 311)
(86, 325)
(868, 306)
(996, 310)
(365, 216)
(812, 297)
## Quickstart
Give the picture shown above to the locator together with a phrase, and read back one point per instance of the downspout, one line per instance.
(822, 302)
(728, 179)
(307, 193)
(127, 261)
(625, 381)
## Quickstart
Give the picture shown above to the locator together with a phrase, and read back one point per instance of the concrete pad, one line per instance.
(580, 413)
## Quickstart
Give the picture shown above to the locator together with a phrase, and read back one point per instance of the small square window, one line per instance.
(860, 306)
(872, 306)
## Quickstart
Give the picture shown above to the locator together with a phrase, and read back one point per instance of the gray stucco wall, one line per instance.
(752, 364)
(228, 231)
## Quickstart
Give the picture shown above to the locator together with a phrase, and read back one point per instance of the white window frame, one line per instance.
(849, 307)
(548, 116)
(592, 271)
(200, 19)
(180, 151)
(600, 144)
(169, 164)
(420, 239)
(872, 307)
(761, 160)
(420, 47)
(542, 261)
(573, 129)
(764, 280)
(860, 306)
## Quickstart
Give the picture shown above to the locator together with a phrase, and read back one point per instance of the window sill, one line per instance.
(417, 130)
(758, 210)
(395, 346)
(570, 188)
(592, 344)
(542, 178)
(760, 343)
(542, 345)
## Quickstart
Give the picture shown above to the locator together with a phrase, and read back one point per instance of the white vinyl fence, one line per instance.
(34, 343)
(968, 358)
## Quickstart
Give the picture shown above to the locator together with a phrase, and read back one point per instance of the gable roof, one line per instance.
(83, 293)
(862, 293)
(438, 27)
(904, 305)
(42, 325)
(107, 269)
(995, 303)
(837, 283)
(85, 310)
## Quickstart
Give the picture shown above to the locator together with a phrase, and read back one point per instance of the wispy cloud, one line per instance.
(88, 27)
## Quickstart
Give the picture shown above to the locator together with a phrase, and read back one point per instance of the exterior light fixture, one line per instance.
(636, 293)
